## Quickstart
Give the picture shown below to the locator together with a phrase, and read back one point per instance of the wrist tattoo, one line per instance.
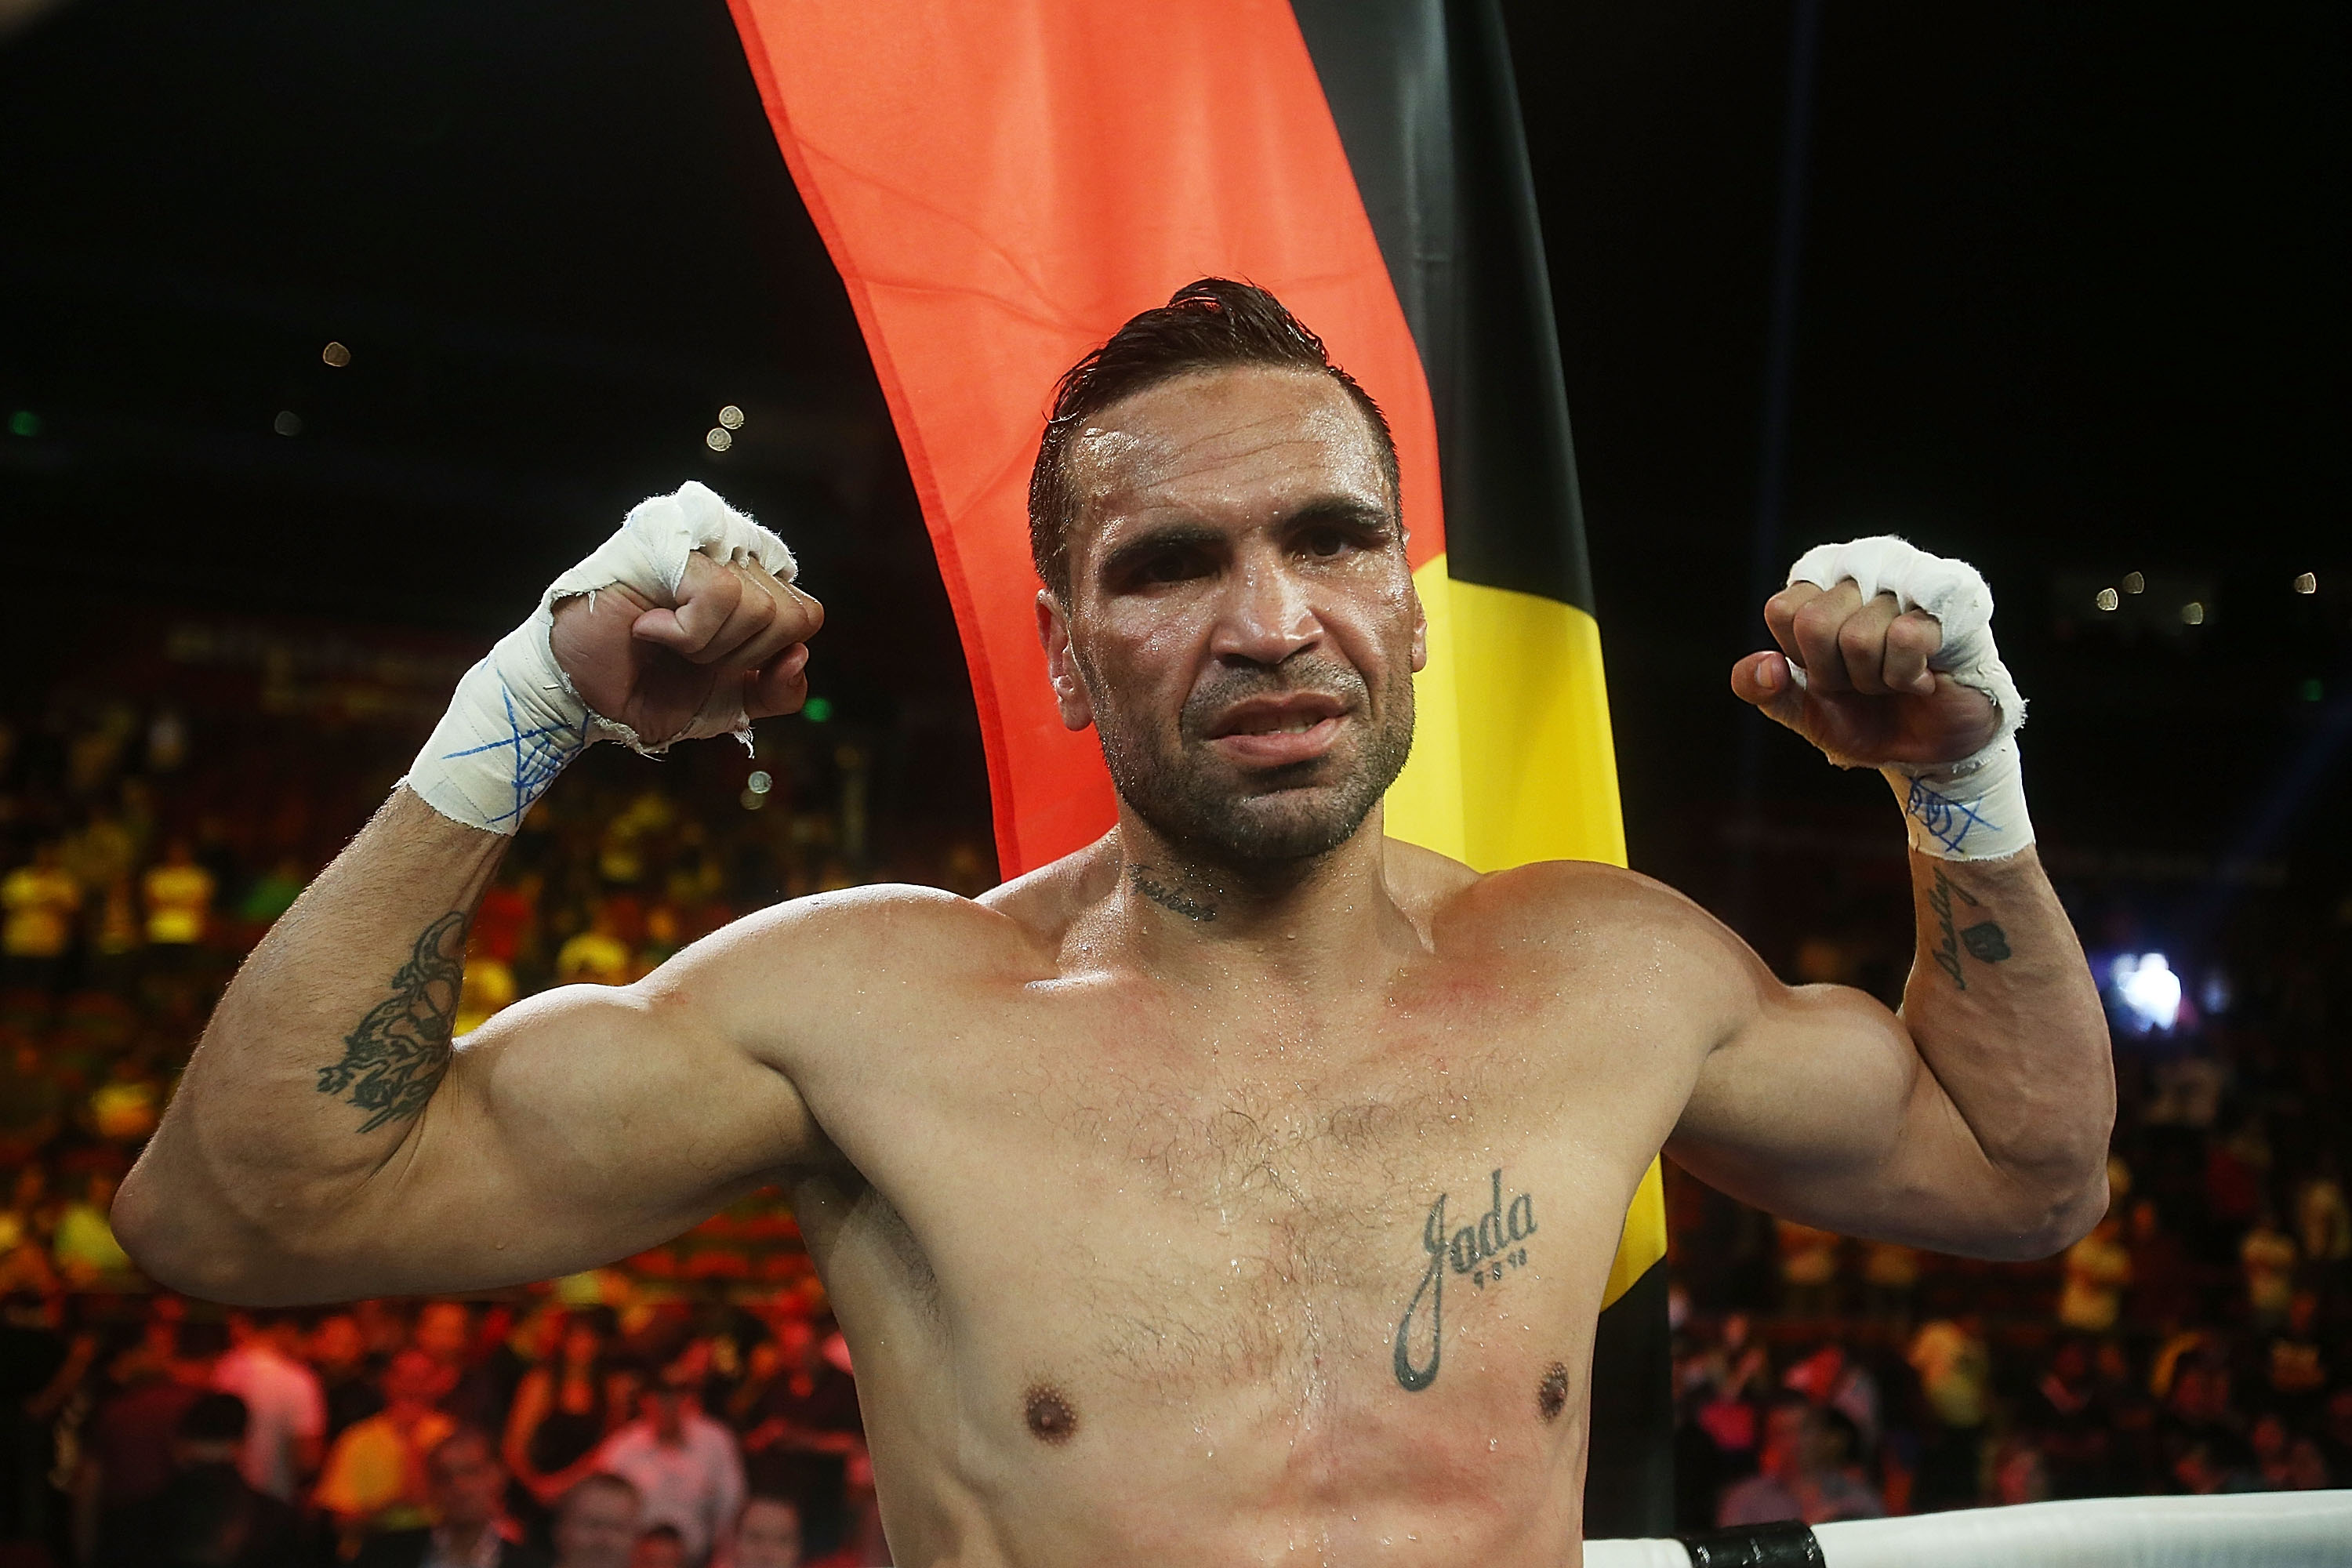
(395, 1060)
(1168, 897)
(1983, 940)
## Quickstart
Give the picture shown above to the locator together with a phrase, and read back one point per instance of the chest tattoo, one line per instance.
(1483, 1251)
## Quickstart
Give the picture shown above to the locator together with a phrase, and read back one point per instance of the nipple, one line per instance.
(1552, 1394)
(1050, 1418)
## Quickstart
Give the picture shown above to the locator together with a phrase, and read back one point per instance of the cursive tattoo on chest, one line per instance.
(395, 1060)
(1983, 940)
(1168, 897)
(1481, 1253)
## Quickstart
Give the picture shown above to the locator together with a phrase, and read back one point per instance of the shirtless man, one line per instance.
(1238, 1190)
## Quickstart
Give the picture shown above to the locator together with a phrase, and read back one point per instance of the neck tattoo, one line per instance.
(1168, 897)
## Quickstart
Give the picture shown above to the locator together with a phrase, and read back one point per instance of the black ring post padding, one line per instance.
(1787, 1543)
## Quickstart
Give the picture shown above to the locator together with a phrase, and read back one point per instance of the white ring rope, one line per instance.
(2254, 1529)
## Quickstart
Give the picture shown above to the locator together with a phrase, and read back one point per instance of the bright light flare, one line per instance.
(2145, 989)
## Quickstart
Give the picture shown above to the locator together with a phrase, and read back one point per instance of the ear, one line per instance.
(1061, 665)
(1420, 628)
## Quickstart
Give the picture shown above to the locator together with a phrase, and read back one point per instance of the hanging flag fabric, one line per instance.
(1002, 185)
(1423, 95)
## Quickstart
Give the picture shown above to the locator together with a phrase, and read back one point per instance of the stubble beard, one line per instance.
(1192, 801)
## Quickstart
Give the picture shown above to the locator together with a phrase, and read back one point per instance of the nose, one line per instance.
(1266, 615)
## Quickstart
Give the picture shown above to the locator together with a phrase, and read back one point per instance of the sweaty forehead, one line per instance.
(1229, 444)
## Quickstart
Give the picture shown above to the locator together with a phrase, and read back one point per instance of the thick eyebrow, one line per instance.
(1343, 511)
(1348, 511)
(1154, 539)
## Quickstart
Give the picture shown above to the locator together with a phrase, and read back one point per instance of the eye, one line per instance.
(1325, 542)
(1171, 566)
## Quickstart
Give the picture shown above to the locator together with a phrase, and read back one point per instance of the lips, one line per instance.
(1270, 732)
(1290, 714)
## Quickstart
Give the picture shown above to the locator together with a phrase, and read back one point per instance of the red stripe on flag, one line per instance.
(1001, 185)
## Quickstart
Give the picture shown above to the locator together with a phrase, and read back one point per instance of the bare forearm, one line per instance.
(318, 1061)
(2003, 1011)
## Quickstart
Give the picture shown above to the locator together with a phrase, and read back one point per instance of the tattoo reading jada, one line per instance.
(1480, 1253)
(395, 1060)
(1984, 940)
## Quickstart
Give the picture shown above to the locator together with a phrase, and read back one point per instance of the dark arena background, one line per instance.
(329, 335)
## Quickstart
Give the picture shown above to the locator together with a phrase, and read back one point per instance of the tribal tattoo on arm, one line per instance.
(395, 1060)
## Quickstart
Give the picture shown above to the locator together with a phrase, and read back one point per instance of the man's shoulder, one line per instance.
(368, 1428)
(269, 1371)
(923, 931)
(710, 1434)
(628, 1437)
(1042, 904)
(1591, 902)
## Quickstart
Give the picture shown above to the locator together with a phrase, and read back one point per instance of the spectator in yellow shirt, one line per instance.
(37, 904)
(599, 955)
(85, 1246)
(375, 1478)
(179, 898)
(2098, 1267)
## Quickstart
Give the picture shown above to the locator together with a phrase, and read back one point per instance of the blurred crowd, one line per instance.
(150, 1431)
(2198, 1341)
(691, 1405)
(696, 1404)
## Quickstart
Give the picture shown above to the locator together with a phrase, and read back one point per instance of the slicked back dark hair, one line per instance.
(1211, 323)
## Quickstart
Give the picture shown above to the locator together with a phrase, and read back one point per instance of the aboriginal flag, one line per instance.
(1002, 183)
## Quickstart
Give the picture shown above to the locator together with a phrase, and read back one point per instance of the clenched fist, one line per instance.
(1853, 677)
(734, 647)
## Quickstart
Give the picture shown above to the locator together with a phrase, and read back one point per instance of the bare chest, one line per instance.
(1313, 1209)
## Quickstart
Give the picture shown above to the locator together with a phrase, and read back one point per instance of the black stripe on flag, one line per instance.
(1423, 95)
(1423, 98)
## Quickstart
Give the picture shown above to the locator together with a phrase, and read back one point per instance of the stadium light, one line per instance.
(2146, 990)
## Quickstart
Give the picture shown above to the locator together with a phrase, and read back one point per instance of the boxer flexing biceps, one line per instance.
(1242, 1188)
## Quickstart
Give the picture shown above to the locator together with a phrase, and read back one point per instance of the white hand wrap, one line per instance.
(1973, 809)
(515, 719)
